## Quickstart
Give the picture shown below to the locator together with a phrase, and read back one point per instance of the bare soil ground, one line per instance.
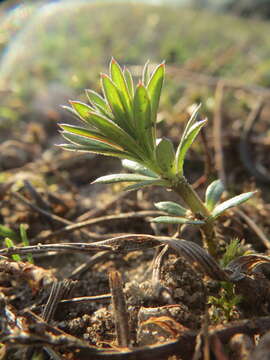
(49, 191)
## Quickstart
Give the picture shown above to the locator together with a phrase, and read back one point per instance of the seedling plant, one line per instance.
(122, 123)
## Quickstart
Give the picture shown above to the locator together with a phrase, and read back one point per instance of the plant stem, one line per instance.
(193, 201)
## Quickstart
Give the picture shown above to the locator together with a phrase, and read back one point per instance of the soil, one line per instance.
(46, 189)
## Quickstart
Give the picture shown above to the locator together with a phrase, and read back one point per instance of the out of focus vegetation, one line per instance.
(52, 52)
(247, 8)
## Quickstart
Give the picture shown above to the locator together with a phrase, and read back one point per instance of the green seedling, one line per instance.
(25, 242)
(10, 244)
(11, 237)
(122, 123)
(225, 305)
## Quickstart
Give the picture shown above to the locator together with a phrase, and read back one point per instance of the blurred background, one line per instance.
(50, 51)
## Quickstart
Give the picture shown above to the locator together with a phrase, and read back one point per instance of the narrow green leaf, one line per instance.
(185, 144)
(138, 168)
(115, 178)
(114, 100)
(213, 194)
(154, 88)
(95, 150)
(98, 102)
(86, 141)
(154, 182)
(176, 220)
(5, 231)
(129, 82)
(237, 200)
(94, 145)
(25, 242)
(142, 118)
(145, 74)
(119, 79)
(71, 111)
(171, 208)
(92, 134)
(111, 131)
(191, 121)
(9, 243)
(166, 156)
(81, 109)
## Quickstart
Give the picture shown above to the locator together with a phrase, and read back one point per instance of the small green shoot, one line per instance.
(233, 250)
(25, 242)
(9, 244)
(122, 123)
(224, 307)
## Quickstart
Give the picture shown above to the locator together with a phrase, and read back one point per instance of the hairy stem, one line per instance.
(193, 201)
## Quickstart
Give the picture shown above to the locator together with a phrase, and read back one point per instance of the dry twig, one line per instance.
(119, 309)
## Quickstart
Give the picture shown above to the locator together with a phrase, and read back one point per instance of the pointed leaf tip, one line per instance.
(235, 201)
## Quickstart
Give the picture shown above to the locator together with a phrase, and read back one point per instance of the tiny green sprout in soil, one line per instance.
(121, 122)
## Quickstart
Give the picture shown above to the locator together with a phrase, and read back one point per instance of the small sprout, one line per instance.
(233, 251)
(122, 123)
(25, 242)
(9, 244)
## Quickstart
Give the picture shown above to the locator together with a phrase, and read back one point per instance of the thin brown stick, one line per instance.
(70, 226)
(80, 270)
(160, 290)
(265, 241)
(46, 213)
(83, 299)
(122, 244)
(98, 212)
(119, 309)
(217, 132)
(128, 215)
(41, 203)
(258, 172)
(38, 249)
